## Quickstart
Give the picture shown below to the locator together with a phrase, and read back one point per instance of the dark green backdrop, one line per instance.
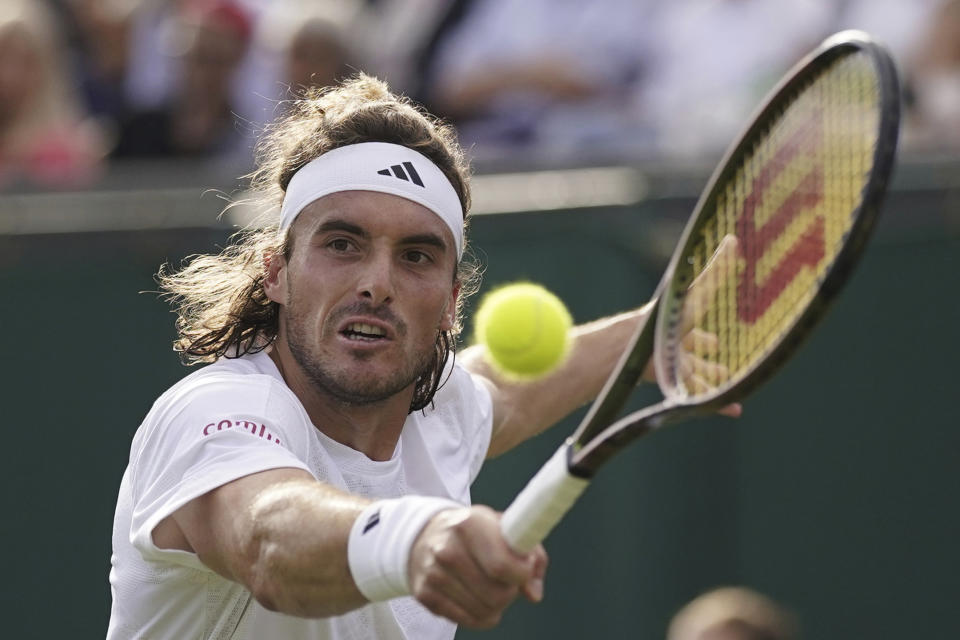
(836, 493)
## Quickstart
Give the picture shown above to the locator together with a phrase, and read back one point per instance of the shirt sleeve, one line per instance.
(204, 437)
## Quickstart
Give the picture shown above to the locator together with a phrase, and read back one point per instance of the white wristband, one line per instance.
(378, 550)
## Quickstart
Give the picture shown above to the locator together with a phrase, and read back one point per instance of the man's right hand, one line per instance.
(462, 568)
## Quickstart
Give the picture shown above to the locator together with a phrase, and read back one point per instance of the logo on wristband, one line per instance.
(373, 521)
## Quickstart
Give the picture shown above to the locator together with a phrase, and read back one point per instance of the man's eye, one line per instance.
(339, 244)
(417, 257)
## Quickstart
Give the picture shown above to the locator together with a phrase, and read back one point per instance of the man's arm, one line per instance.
(522, 410)
(284, 536)
(281, 534)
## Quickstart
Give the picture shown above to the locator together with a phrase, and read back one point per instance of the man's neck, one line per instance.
(372, 429)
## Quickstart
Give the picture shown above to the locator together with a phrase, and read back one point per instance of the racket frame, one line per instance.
(559, 483)
(599, 436)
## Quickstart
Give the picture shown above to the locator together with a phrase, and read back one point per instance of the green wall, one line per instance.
(835, 493)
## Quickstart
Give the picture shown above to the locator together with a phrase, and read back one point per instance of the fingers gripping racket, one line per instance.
(771, 241)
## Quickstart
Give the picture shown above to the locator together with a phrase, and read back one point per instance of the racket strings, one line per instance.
(775, 227)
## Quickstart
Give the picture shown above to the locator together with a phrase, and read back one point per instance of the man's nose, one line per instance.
(376, 279)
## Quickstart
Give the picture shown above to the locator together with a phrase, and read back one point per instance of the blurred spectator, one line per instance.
(934, 80)
(316, 56)
(156, 45)
(197, 119)
(308, 44)
(45, 138)
(899, 24)
(397, 38)
(296, 44)
(716, 59)
(905, 27)
(102, 37)
(552, 78)
(733, 613)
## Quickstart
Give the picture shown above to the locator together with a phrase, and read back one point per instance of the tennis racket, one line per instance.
(774, 236)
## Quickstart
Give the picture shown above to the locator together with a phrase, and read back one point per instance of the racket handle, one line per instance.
(542, 503)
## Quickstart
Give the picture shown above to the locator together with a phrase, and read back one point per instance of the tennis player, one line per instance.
(313, 481)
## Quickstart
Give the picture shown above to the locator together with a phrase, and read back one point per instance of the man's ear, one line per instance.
(274, 280)
(449, 318)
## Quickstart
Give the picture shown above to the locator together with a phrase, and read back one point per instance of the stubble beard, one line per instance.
(341, 385)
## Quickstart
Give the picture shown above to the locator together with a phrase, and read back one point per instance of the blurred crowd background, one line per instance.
(86, 85)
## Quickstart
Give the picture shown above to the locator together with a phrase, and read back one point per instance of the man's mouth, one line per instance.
(363, 332)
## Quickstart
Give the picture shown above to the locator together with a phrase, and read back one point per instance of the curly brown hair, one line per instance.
(222, 308)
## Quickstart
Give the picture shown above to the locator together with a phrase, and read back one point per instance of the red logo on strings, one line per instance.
(754, 299)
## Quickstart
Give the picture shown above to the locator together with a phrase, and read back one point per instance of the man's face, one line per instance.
(366, 288)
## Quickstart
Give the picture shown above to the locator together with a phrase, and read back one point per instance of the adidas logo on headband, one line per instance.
(398, 171)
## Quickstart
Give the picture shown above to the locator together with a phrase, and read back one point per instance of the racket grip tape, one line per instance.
(542, 503)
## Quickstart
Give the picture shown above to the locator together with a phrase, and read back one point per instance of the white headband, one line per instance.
(375, 166)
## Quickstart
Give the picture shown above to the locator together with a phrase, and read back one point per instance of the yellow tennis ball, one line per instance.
(525, 329)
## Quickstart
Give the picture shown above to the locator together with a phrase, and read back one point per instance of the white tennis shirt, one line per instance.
(237, 417)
